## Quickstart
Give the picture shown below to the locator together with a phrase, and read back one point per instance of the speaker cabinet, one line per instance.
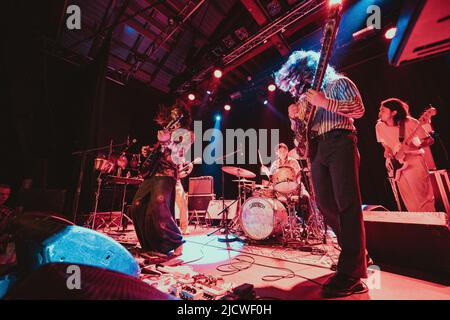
(414, 240)
(44, 239)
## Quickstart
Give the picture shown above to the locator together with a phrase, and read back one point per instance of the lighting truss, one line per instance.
(302, 10)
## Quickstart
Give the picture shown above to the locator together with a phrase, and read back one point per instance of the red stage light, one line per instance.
(191, 97)
(272, 87)
(218, 73)
(227, 107)
(390, 33)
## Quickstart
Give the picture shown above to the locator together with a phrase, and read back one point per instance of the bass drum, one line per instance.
(262, 218)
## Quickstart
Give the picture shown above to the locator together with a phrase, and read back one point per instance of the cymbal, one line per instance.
(239, 172)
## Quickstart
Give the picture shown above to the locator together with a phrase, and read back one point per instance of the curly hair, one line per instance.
(163, 116)
(298, 71)
(398, 105)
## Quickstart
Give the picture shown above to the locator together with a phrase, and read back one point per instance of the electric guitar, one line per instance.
(184, 170)
(303, 133)
(397, 163)
(151, 162)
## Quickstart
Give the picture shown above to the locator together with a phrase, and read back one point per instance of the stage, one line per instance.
(280, 273)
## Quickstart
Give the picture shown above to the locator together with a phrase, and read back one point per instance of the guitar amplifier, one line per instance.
(201, 185)
(199, 202)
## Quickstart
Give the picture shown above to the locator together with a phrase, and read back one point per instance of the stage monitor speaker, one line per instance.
(201, 185)
(216, 206)
(413, 240)
(373, 207)
(50, 282)
(42, 239)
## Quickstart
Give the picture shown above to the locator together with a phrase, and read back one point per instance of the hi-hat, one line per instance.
(239, 172)
(243, 180)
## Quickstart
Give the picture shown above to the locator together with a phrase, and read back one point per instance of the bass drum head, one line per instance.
(262, 218)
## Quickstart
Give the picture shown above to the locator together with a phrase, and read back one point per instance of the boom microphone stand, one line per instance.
(224, 224)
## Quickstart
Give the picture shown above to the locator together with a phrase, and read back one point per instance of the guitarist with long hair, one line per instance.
(154, 203)
(403, 139)
(335, 162)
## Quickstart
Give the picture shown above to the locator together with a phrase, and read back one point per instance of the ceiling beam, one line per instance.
(261, 19)
(169, 11)
(146, 33)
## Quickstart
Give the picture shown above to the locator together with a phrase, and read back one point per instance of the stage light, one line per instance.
(334, 2)
(218, 73)
(218, 117)
(390, 33)
(227, 107)
(208, 92)
(191, 97)
(265, 102)
(271, 87)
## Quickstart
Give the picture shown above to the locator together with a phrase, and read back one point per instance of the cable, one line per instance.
(235, 268)
(202, 253)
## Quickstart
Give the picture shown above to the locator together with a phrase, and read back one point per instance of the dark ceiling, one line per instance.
(173, 45)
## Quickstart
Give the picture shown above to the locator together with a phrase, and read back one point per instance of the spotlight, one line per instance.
(272, 87)
(208, 92)
(390, 33)
(191, 97)
(218, 73)
(227, 107)
(334, 2)
(265, 102)
(218, 117)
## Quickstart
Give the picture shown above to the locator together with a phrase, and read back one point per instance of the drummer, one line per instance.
(283, 160)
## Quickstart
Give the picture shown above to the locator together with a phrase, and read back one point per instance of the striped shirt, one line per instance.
(344, 105)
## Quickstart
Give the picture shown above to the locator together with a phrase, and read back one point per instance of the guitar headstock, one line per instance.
(427, 115)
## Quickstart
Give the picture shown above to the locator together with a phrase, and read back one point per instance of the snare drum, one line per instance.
(262, 218)
(284, 180)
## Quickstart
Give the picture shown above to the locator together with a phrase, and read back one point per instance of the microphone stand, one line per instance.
(224, 212)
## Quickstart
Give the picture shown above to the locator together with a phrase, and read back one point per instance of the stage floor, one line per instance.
(284, 273)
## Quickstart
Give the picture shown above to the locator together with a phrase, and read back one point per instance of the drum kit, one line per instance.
(268, 210)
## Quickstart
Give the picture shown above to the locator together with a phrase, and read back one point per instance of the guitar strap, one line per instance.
(401, 136)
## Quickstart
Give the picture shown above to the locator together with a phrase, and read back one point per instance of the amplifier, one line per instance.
(199, 202)
(414, 240)
(201, 185)
(216, 206)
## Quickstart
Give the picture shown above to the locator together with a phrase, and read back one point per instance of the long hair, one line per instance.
(398, 105)
(163, 116)
(298, 72)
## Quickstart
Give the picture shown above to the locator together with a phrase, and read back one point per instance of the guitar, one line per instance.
(397, 163)
(151, 162)
(184, 170)
(303, 133)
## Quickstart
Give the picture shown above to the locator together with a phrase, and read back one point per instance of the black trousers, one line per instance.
(335, 175)
(152, 212)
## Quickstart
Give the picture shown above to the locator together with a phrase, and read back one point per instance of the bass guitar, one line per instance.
(397, 163)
